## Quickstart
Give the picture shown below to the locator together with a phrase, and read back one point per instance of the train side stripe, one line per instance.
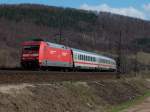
(106, 65)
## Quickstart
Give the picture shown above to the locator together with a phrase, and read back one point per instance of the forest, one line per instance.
(102, 32)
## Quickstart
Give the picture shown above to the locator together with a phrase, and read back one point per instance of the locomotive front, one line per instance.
(30, 55)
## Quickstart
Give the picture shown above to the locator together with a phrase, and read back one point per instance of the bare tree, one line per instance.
(119, 57)
(136, 59)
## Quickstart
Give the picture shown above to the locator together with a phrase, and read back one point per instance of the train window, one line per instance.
(81, 57)
(100, 60)
(94, 59)
(86, 58)
(106, 61)
(33, 47)
(75, 56)
(103, 61)
(90, 58)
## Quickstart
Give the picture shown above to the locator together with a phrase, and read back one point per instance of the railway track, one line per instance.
(18, 76)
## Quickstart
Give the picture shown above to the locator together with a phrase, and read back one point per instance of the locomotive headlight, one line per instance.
(35, 54)
(25, 55)
(29, 55)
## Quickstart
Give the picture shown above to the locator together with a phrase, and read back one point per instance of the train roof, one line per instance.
(57, 45)
(82, 51)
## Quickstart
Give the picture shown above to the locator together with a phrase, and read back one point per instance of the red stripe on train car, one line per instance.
(93, 64)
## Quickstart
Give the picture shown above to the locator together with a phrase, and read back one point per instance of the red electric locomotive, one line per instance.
(41, 54)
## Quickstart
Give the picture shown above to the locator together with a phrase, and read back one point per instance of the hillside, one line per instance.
(101, 96)
(78, 28)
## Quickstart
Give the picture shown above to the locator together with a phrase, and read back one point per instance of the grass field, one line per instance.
(130, 103)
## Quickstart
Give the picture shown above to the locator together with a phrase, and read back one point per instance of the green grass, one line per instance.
(130, 103)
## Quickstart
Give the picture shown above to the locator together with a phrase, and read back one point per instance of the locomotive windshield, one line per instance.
(31, 48)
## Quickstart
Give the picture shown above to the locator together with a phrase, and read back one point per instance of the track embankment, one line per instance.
(14, 76)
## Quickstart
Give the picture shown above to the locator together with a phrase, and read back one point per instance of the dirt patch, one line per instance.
(69, 96)
(14, 89)
(142, 107)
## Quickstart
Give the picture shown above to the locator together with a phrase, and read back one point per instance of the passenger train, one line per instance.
(46, 55)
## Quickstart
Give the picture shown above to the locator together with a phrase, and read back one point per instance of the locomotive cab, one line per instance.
(30, 55)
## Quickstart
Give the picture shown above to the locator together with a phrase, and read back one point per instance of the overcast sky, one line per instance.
(132, 8)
